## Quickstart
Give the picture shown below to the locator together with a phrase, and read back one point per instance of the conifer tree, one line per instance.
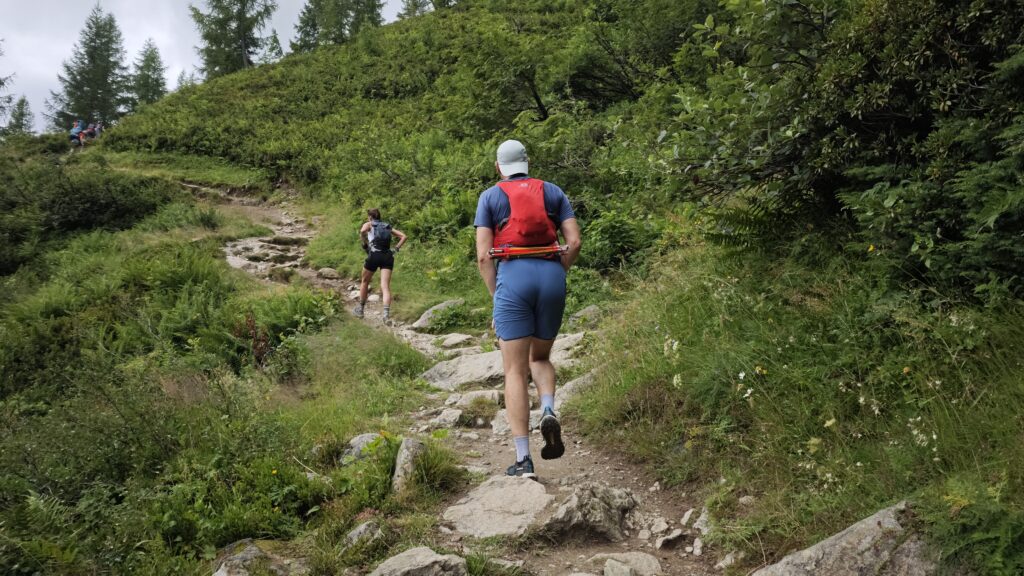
(185, 80)
(307, 31)
(274, 52)
(148, 84)
(229, 31)
(4, 81)
(93, 82)
(21, 119)
(322, 23)
(365, 14)
(413, 8)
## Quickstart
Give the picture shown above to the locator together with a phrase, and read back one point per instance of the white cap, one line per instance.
(512, 158)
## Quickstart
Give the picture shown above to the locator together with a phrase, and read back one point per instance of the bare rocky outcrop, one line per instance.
(248, 556)
(878, 545)
(405, 463)
(421, 561)
(592, 510)
(501, 506)
(428, 316)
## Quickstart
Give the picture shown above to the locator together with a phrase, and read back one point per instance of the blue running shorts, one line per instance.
(529, 299)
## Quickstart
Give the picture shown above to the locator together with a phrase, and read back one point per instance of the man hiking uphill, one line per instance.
(376, 237)
(517, 224)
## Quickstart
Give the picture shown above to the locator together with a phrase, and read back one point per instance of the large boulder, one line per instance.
(357, 446)
(248, 557)
(487, 368)
(592, 510)
(405, 463)
(572, 388)
(422, 561)
(501, 506)
(878, 545)
(426, 317)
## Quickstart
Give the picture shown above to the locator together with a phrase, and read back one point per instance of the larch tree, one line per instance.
(230, 33)
(5, 101)
(93, 83)
(21, 119)
(148, 83)
(365, 14)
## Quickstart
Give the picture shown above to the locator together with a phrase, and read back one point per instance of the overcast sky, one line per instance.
(40, 34)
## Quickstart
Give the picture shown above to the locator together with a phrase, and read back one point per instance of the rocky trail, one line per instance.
(590, 512)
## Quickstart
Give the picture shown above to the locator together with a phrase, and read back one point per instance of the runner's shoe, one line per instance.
(523, 469)
(551, 430)
(358, 312)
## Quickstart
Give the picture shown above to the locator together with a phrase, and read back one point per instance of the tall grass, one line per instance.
(826, 393)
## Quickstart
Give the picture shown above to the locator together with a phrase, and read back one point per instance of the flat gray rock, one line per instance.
(572, 388)
(615, 568)
(421, 561)
(501, 506)
(877, 545)
(499, 425)
(328, 273)
(426, 317)
(642, 564)
(365, 534)
(448, 418)
(248, 557)
(454, 340)
(405, 463)
(495, 397)
(592, 510)
(486, 368)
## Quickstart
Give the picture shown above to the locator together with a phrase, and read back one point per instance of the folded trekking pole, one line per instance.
(510, 252)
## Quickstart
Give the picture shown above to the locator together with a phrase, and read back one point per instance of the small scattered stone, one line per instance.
(688, 549)
(730, 559)
(746, 500)
(655, 488)
(454, 340)
(405, 463)
(328, 274)
(641, 563)
(703, 523)
(686, 518)
(698, 546)
(448, 418)
(659, 525)
(644, 535)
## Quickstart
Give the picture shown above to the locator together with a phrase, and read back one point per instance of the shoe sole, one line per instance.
(551, 430)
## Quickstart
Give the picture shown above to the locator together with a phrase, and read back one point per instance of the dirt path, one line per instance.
(487, 449)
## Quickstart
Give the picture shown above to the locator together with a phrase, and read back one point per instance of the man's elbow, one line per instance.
(574, 244)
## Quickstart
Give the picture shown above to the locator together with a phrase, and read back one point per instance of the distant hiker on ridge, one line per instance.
(517, 224)
(376, 238)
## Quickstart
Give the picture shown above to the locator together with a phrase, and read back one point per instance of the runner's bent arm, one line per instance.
(484, 241)
(571, 233)
(364, 232)
(401, 238)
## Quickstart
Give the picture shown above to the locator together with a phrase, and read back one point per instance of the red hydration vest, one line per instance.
(528, 224)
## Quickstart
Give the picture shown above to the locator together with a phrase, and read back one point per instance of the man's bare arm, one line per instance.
(571, 233)
(484, 263)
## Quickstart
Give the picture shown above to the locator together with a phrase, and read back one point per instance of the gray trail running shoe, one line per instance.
(551, 430)
(358, 311)
(523, 469)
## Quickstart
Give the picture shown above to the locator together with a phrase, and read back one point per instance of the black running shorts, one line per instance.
(376, 260)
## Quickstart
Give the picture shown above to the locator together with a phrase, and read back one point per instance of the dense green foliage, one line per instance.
(45, 199)
(862, 347)
(93, 83)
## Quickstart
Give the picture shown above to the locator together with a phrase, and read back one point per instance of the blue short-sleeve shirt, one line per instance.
(494, 207)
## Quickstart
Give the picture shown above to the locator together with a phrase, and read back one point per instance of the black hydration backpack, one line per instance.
(380, 236)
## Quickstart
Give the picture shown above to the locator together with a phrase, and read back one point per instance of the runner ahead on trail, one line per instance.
(520, 260)
(376, 237)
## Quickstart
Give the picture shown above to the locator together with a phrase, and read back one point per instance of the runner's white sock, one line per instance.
(547, 401)
(522, 447)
